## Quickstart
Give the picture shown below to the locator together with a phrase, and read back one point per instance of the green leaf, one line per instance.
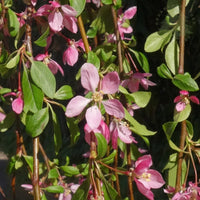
(18, 163)
(29, 161)
(64, 93)
(141, 98)
(13, 23)
(156, 40)
(43, 78)
(182, 115)
(82, 192)
(92, 31)
(54, 189)
(13, 61)
(169, 128)
(5, 90)
(172, 55)
(57, 132)
(110, 158)
(44, 197)
(190, 129)
(164, 72)
(70, 170)
(93, 58)
(102, 145)
(36, 123)
(7, 122)
(42, 40)
(78, 5)
(185, 82)
(107, 2)
(19, 35)
(136, 127)
(74, 130)
(33, 96)
(142, 60)
(53, 173)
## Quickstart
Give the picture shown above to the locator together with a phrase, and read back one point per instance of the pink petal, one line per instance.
(125, 134)
(40, 57)
(110, 83)
(33, 2)
(145, 83)
(104, 130)
(17, 105)
(70, 56)
(184, 92)
(180, 106)
(70, 24)
(129, 13)
(93, 117)
(27, 187)
(54, 67)
(146, 192)
(177, 99)
(55, 4)
(114, 132)
(55, 20)
(114, 107)
(76, 106)
(133, 85)
(69, 11)
(2, 116)
(44, 10)
(194, 99)
(156, 180)
(143, 164)
(80, 43)
(89, 77)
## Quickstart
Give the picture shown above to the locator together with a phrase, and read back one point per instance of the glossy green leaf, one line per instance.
(7, 122)
(78, 5)
(182, 115)
(44, 197)
(13, 23)
(110, 158)
(172, 55)
(156, 40)
(185, 82)
(92, 32)
(82, 192)
(141, 98)
(64, 93)
(136, 127)
(13, 61)
(36, 123)
(42, 40)
(70, 170)
(29, 161)
(93, 58)
(53, 173)
(43, 78)
(18, 164)
(101, 145)
(190, 129)
(54, 189)
(107, 2)
(169, 128)
(5, 90)
(33, 96)
(164, 72)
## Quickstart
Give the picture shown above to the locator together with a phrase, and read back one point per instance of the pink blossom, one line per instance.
(70, 56)
(146, 178)
(183, 99)
(123, 21)
(96, 2)
(103, 129)
(2, 116)
(137, 79)
(59, 16)
(120, 129)
(53, 65)
(90, 81)
(131, 108)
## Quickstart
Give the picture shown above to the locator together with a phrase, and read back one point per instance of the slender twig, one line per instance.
(116, 174)
(181, 71)
(36, 187)
(46, 159)
(83, 34)
(130, 184)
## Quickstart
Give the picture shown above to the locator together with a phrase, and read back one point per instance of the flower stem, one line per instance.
(36, 187)
(116, 174)
(181, 71)
(83, 34)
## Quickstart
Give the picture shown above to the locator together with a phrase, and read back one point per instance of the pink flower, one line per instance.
(183, 99)
(2, 116)
(69, 188)
(90, 81)
(103, 129)
(123, 20)
(137, 79)
(131, 108)
(18, 103)
(53, 65)
(59, 16)
(120, 129)
(96, 2)
(70, 56)
(146, 178)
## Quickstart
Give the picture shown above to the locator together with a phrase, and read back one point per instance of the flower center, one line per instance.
(97, 96)
(146, 176)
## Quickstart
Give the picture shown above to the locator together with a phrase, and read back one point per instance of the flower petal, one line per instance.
(55, 20)
(110, 83)
(54, 67)
(2, 116)
(76, 106)
(93, 117)
(156, 180)
(129, 13)
(142, 164)
(17, 105)
(68, 10)
(89, 77)
(180, 106)
(114, 107)
(70, 24)
(114, 133)
(70, 56)
(194, 99)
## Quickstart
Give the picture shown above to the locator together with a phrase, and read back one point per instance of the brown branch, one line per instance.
(116, 174)
(46, 159)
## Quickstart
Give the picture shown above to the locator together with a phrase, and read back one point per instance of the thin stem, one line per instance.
(116, 174)
(130, 183)
(36, 187)
(83, 34)
(181, 71)
(46, 159)
(119, 46)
